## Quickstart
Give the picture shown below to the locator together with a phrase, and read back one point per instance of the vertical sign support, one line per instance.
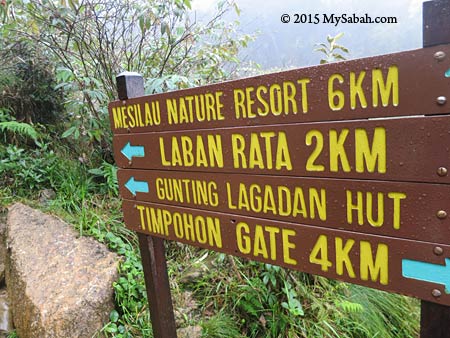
(130, 85)
(435, 318)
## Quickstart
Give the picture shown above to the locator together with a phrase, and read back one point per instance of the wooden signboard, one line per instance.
(400, 84)
(393, 209)
(358, 176)
(390, 264)
(339, 170)
(410, 149)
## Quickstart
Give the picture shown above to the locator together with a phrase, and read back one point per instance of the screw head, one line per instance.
(442, 171)
(440, 55)
(436, 293)
(441, 100)
(438, 250)
(441, 214)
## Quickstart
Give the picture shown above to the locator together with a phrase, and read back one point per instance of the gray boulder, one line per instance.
(59, 285)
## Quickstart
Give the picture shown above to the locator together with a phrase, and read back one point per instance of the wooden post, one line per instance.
(435, 318)
(130, 85)
(436, 23)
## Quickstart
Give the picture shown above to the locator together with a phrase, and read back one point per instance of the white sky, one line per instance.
(286, 45)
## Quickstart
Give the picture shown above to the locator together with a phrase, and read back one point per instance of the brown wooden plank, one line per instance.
(402, 210)
(418, 74)
(413, 149)
(375, 261)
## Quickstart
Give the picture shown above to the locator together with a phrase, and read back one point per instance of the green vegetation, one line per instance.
(332, 50)
(61, 58)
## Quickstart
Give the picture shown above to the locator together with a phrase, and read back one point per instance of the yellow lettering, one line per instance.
(172, 111)
(124, 116)
(186, 146)
(319, 253)
(310, 164)
(342, 257)
(287, 246)
(334, 94)
(200, 153)
(269, 200)
(318, 203)
(358, 207)
(299, 200)
(141, 215)
(250, 102)
(267, 135)
(337, 151)
(255, 157)
(239, 105)
(259, 245)
(384, 89)
(276, 106)
(357, 90)
(219, 106)
(289, 92)
(272, 241)
(284, 201)
(303, 83)
(375, 270)
(259, 90)
(238, 145)
(255, 200)
(380, 206)
(117, 117)
(367, 157)
(397, 197)
(164, 162)
(200, 229)
(229, 197)
(130, 111)
(176, 154)
(243, 198)
(243, 241)
(214, 232)
(215, 150)
(283, 158)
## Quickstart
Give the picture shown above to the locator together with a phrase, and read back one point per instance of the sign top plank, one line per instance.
(401, 84)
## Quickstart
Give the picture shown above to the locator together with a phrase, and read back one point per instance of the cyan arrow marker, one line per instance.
(136, 186)
(133, 151)
(428, 272)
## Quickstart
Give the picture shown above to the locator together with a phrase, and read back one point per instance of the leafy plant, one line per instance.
(108, 172)
(332, 50)
(292, 304)
(12, 334)
(27, 172)
(19, 128)
(94, 41)
(27, 82)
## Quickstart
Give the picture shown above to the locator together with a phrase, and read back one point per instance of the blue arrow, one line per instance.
(136, 186)
(133, 151)
(428, 272)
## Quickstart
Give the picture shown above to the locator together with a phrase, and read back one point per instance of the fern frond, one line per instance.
(350, 307)
(20, 128)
